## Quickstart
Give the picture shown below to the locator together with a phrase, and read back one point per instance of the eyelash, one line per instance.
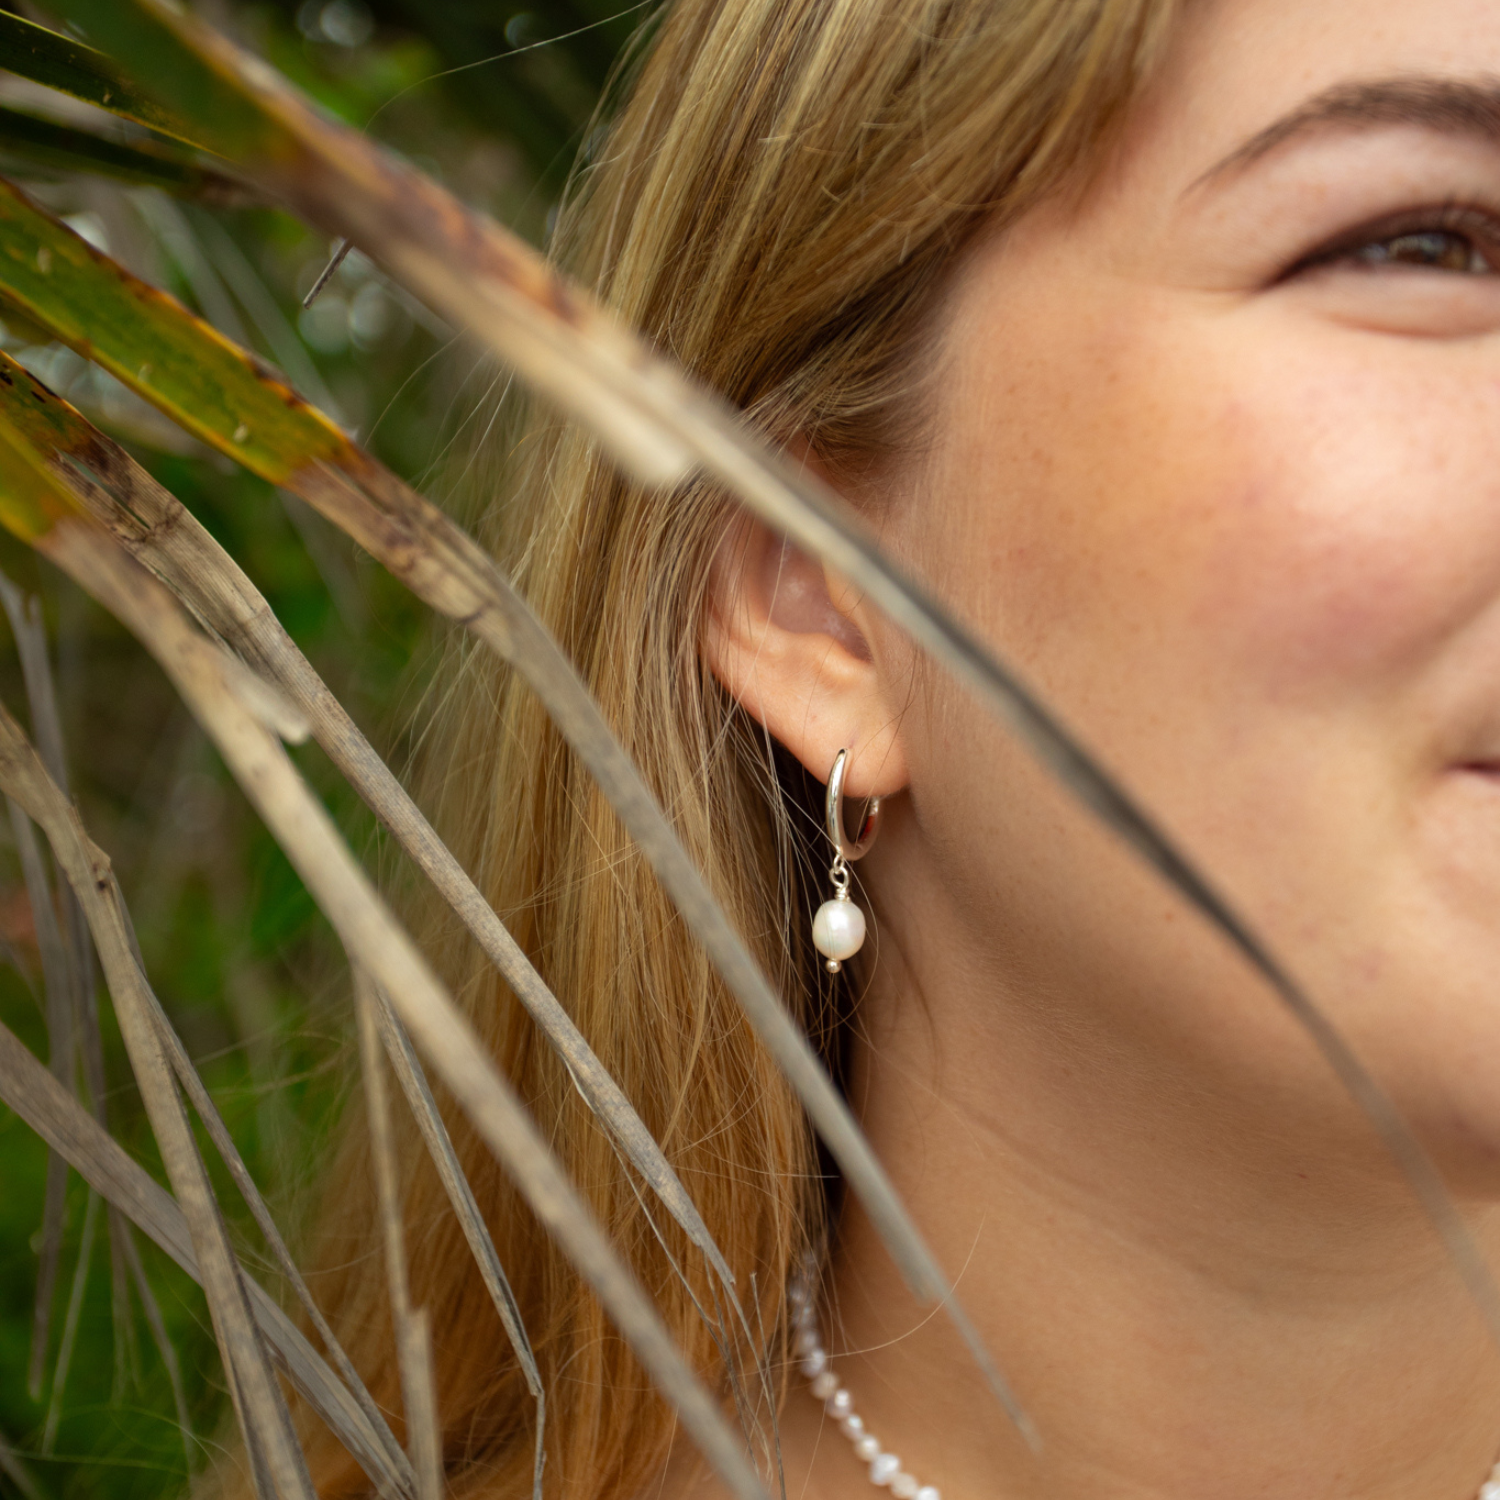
(1478, 227)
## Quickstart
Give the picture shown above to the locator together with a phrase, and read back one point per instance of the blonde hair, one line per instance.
(776, 206)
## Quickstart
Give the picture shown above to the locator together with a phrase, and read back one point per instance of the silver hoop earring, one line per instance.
(839, 926)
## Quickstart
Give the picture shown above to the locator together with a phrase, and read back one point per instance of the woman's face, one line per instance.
(1216, 463)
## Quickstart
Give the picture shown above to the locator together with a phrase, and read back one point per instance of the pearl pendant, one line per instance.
(838, 931)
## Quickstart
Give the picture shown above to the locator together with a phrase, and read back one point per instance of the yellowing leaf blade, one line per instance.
(152, 343)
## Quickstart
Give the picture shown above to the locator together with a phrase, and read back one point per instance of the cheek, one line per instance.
(1308, 510)
(1349, 511)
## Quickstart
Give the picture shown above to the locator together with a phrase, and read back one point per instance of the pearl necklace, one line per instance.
(885, 1468)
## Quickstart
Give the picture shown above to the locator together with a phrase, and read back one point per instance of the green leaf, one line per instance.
(65, 148)
(181, 85)
(153, 344)
(59, 62)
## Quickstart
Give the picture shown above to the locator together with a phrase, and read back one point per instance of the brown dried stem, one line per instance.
(413, 1340)
(259, 1402)
(61, 1121)
(157, 529)
(218, 697)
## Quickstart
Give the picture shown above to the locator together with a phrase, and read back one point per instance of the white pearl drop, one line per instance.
(904, 1487)
(853, 1425)
(825, 1385)
(883, 1468)
(814, 1363)
(1489, 1490)
(928, 1492)
(840, 1405)
(866, 1449)
(839, 930)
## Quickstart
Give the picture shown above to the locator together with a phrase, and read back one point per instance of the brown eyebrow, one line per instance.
(1449, 105)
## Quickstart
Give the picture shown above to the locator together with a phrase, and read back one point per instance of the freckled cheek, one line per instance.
(1296, 512)
(1349, 521)
(1276, 499)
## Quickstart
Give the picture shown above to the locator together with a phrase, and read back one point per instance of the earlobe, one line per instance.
(793, 647)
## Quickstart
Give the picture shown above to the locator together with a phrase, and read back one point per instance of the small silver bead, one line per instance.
(866, 1449)
(825, 1385)
(883, 1468)
(840, 1405)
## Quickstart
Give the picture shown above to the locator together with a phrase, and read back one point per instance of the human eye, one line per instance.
(1425, 273)
(1452, 238)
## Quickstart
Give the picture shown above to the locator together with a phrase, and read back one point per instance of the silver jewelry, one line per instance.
(839, 926)
(885, 1468)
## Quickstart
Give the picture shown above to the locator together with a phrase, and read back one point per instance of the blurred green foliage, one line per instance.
(496, 101)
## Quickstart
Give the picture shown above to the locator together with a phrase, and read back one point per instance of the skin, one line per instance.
(1235, 510)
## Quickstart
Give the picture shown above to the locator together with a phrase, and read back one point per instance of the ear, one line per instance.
(790, 640)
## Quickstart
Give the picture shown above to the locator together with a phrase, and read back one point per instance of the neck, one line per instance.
(1190, 1294)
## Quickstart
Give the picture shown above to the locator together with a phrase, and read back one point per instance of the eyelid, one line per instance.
(1476, 220)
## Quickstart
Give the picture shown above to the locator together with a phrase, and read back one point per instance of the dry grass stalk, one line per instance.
(157, 529)
(218, 1132)
(75, 961)
(30, 634)
(70, 1323)
(57, 1117)
(159, 1336)
(214, 687)
(259, 1403)
(413, 1341)
(60, 1055)
(60, 1044)
(163, 534)
(413, 1082)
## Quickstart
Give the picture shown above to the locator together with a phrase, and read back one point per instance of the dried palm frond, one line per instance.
(244, 718)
